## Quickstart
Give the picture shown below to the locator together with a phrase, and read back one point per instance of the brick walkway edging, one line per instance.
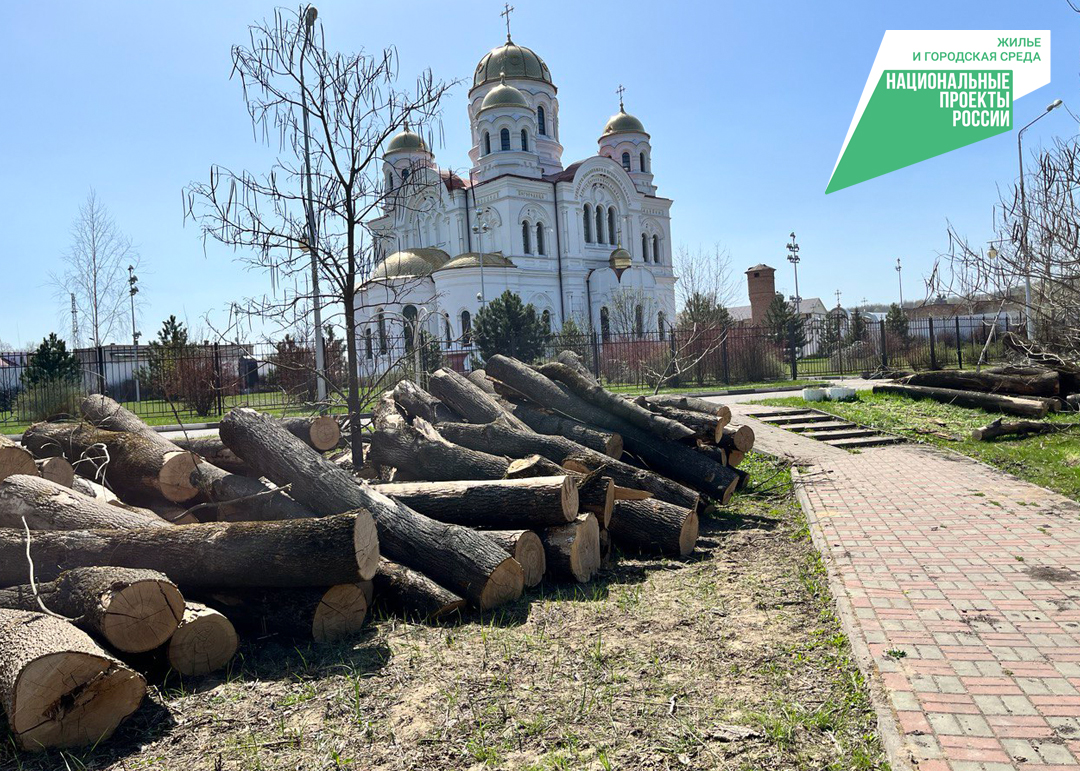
(888, 725)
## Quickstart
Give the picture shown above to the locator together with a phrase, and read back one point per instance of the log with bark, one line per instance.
(735, 457)
(572, 550)
(456, 557)
(216, 555)
(15, 459)
(418, 403)
(46, 505)
(469, 400)
(213, 451)
(708, 428)
(132, 610)
(319, 614)
(138, 467)
(655, 527)
(1019, 428)
(544, 422)
(56, 470)
(57, 686)
(479, 378)
(627, 476)
(502, 504)
(320, 432)
(238, 498)
(413, 594)
(739, 438)
(1041, 382)
(596, 494)
(526, 547)
(1010, 405)
(421, 453)
(693, 404)
(204, 642)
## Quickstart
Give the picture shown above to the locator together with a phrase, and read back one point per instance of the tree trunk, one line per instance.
(739, 438)
(213, 450)
(718, 454)
(693, 404)
(49, 506)
(1043, 383)
(479, 378)
(56, 470)
(526, 547)
(421, 453)
(319, 614)
(470, 401)
(232, 494)
(102, 494)
(534, 466)
(134, 464)
(14, 459)
(413, 594)
(735, 457)
(573, 550)
(626, 475)
(454, 556)
(654, 527)
(500, 504)
(595, 394)
(418, 403)
(544, 422)
(708, 428)
(1010, 405)
(132, 610)
(205, 642)
(596, 494)
(497, 438)
(1021, 427)
(320, 432)
(215, 555)
(58, 688)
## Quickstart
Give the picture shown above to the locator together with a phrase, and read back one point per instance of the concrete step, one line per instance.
(854, 432)
(814, 417)
(871, 441)
(779, 413)
(820, 426)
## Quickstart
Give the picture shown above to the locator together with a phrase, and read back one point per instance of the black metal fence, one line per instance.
(202, 382)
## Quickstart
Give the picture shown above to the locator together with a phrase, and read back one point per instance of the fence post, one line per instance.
(102, 382)
(959, 348)
(792, 350)
(217, 380)
(674, 346)
(596, 355)
(933, 347)
(884, 346)
(839, 346)
(724, 358)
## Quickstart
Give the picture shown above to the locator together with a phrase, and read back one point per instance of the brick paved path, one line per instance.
(958, 586)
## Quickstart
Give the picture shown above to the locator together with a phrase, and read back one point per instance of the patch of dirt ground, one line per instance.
(731, 659)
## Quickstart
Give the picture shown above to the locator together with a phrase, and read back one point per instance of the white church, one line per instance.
(572, 240)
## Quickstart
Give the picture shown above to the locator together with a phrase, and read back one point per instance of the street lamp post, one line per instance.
(794, 259)
(1024, 219)
(479, 230)
(133, 289)
(320, 364)
(900, 281)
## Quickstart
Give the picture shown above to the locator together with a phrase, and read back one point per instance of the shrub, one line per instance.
(49, 400)
(508, 326)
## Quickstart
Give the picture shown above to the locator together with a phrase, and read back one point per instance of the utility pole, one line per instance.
(74, 323)
(900, 280)
(133, 289)
(794, 259)
(320, 364)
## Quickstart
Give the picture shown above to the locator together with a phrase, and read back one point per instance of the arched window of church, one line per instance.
(369, 351)
(466, 328)
(409, 327)
(524, 140)
(525, 238)
(660, 321)
(611, 225)
(605, 325)
(540, 238)
(599, 224)
(545, 318)
(541, 124)
(644, 248)
(588, 224)
(656, 249)
(639, 320)
(641, 161)
(487, 143)
(626, 161)
(389, 181)
(380, 321)
(504, 140)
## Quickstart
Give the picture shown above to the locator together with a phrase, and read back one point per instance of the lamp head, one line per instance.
(992, 252)
(1053, 105)
(310, 15)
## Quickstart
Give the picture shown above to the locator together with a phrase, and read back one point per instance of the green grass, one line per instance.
(714, 388)
(1048, 460)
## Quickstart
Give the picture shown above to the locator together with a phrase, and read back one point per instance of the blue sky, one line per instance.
(747, 104)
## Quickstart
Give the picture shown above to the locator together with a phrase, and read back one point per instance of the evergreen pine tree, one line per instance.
(508, 326)
(51, 362)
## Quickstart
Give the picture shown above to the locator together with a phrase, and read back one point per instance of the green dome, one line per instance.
(623, 123)
(406, 140)
(411, 262)
(504, 96)
(513, 60)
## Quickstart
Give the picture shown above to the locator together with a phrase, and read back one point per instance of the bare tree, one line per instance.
(355, 105)
(95, 271)
(630, 311)
(705, 281)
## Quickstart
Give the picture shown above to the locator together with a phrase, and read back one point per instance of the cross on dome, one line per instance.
(507, 10)
(620, 91)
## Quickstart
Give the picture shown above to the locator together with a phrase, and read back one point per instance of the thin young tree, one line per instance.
(96, 271)
(355, 103)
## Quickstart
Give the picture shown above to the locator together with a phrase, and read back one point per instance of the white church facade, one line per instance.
(572, 240)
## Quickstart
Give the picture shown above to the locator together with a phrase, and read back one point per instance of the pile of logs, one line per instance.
(124, 553)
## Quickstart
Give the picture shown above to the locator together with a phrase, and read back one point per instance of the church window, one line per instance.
(368, 350)
(525, 247)
(404, 175)
(660, 320)
(389, 181)
(409, 315)
(380, 321)
(541, 123)
(540, 238)
(605, 325)
(524, 140)
(588, 224)
(545, 318)
(656, 248)
(626, 161)
(641, 161)
(644, 248)
(466, 328)
(487, 143)
(504, 140)
(611, 225)
(599, 224)
(449, 334)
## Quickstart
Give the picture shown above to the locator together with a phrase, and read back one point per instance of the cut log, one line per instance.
(739, 438)
(322, 615)
(544, 422)
(204, 642)
(502, 439)
(238, 498)
(654, 527)
(213, 451)
(735, 457)
(625, 475)
(502, 504)
(534, 466)
(56, 470)
(368, 588)
(596, 494)
(1040, 382)
(526, 547)
(46, 505)
(1020, 428)
(479, 378)
(418, 403)
(470, 401)
(320, 432)
(454, 556)
(693, 404)
(215, 555)
(718, 454)
(133, 463)
(15, 459)
(1010, 405)
(593, 393)
(102, 494)
(132, 610)
(386, 416)
(421, 453)
(708, 428)
(572, 551)
(58, 687)
(413, 594)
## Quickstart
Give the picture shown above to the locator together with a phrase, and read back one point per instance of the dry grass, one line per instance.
(729, 660)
